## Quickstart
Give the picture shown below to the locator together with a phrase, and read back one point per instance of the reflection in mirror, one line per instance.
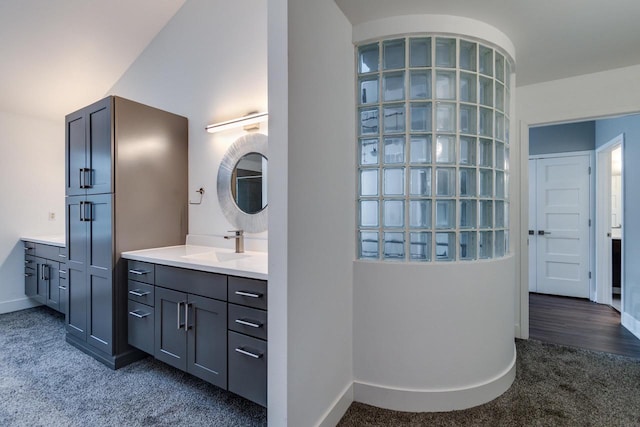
(249, 183)
(242, 183)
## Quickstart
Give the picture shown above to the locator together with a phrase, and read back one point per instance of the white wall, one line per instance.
(31, 186)
(208, 64)
(318, 105)
(278, 378)
(433, 337)
(589, 96)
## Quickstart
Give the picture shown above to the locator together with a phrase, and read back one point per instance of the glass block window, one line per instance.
(433, 149)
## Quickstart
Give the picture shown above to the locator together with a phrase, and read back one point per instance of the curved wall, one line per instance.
(436, 336)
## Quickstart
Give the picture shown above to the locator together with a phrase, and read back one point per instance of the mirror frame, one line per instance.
(247, 144)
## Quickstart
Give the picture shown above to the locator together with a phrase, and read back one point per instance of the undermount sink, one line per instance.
(216, 256)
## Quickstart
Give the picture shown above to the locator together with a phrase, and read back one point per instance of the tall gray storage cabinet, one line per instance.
(126, 188)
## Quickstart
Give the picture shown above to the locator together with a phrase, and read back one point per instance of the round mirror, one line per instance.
(249, 183)
(242, 183)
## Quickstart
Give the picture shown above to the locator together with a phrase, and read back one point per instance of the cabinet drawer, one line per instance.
(47, 251)
(140, 326)
(141, 271)
(62, 254)
(29, 248)
(30, 262)
(141, 292)
(249, 321)
(248, 367)
(201, 283)
(250, 292)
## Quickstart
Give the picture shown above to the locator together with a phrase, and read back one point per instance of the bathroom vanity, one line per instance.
(202, 310)
(45, 271)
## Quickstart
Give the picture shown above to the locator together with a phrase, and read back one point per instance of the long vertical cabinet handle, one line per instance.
(87, 182)
(186, 316)
(88, 206)
(83, 178)
(180, 325)
(81, 209)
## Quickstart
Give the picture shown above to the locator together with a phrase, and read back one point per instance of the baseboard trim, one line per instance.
(339, 407)
(631, 323)
(113, 362)
(435, 400)
(17, 305)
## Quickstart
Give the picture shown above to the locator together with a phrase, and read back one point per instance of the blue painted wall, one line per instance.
(562, 138)
(606, 130)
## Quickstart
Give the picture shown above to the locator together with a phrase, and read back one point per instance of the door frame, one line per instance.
(592, 209)
(603, 222)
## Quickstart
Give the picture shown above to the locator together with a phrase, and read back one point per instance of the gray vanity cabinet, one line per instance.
(90, 269)
(89, 149)
(191, 334)
(170, 335)
(210, 325)
(126, 189)
(247, 352)
(43, 271)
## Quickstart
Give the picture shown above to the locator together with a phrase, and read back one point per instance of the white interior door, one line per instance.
(532, 239)
(562, 214)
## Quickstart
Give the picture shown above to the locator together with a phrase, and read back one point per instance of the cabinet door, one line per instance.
(98, 217)
(89, 149)
(52, 283)
(171, 338)
(42, 273)
(99, 147)
(76, 318)
(75, 152)
(207, 339)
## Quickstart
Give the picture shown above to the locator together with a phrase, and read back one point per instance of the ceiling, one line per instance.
(59, 55)
(553, 39)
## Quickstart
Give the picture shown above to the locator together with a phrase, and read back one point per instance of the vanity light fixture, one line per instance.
(250, 122)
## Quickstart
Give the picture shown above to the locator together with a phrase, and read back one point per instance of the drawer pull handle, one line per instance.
(248, 353)
(28, 274)
(138, 293)
(138, 315)
(139, 272)
(27, 261)
(64, 288)
(62, 271)
(249, 323)
(248, 294)
(62, 255)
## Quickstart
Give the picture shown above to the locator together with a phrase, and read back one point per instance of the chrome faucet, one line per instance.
(238, 235)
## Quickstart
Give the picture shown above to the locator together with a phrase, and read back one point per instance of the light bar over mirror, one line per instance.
(247, 122)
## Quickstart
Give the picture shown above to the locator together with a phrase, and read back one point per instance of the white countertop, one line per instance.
(53, 240)
(253, 265)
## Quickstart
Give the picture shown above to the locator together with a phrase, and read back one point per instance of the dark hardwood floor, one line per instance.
(579, 323)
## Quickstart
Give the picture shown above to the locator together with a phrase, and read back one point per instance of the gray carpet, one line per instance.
(46, 382)
(554, 386)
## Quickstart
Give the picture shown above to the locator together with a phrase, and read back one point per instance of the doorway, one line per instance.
(609, 222)
(559, 224)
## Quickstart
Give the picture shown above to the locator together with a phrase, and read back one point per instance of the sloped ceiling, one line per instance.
(554, 39)
(58, 55)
